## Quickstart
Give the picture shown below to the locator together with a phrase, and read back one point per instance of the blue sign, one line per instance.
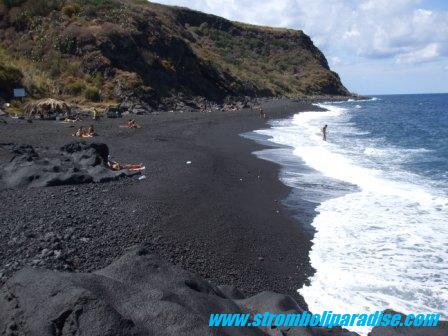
(19, 93)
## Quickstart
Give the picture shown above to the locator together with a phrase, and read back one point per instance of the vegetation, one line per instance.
(92, 94)
(71, 9)
(134, 47)
(10, 77)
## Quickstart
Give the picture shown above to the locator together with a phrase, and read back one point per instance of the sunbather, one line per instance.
(72, 119)
(83, 132)
(129, 166)
(79, 132)
(90, 131)
(131, 124)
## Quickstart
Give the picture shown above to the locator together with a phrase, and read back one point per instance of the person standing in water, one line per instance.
(324, 133)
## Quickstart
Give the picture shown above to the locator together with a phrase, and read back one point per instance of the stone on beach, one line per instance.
(74, 163)
(140, 294)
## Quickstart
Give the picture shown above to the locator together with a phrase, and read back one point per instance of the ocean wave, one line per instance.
(382, 246)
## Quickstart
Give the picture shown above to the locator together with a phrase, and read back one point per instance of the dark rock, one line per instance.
(139, 294)
(74, 163)
(134, 106)
(113, 112)
(231, 292)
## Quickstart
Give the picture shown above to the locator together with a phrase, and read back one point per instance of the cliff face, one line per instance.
(113, 49)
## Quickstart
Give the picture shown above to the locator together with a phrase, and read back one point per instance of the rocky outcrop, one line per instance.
(74, 163)
(139, 294)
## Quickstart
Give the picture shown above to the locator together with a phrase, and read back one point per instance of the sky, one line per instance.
(376, 46)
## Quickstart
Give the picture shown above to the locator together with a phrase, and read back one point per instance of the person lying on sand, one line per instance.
(131, 124)
(68, 120)
(79, 132)
(129, 166)
(72, 119)
(83, 132)
(90, 131)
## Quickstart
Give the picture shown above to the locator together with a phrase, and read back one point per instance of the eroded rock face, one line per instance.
(139, 294)
(75, 163)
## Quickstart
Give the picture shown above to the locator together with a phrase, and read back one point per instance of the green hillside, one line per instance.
(110, 50)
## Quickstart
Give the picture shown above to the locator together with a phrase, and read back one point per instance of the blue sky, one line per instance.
(377, 46)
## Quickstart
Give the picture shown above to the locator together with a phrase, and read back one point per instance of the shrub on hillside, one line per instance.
(92, 94)
(9, 78)
(97, 80)
(12, 3)
(99, 3)
(19, 18)
(66, 44)
(75, 88)
(43, 7)
(71, 9)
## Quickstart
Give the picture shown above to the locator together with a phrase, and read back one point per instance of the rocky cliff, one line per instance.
(111, 50)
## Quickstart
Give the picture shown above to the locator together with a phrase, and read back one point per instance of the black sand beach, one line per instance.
(220, 216)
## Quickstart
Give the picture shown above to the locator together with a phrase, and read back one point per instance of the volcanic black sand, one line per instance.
(219, 216)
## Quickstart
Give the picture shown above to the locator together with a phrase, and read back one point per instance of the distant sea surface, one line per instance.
(380, 187)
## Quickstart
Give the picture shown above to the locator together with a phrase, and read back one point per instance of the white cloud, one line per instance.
(335, 60)
(396, 29)
(428, 53)
(350, 34)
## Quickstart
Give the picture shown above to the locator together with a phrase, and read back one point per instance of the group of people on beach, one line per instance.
(89, 132)
(85, 132)
(261, 112)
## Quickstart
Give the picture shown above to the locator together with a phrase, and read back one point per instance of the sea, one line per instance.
(378, 190)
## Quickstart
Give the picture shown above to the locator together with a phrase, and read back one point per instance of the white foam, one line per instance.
(357, 100)
(384, 246)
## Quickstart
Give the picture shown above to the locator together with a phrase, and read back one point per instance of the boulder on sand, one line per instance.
(75, 163)
(113, 112)
(140, 294)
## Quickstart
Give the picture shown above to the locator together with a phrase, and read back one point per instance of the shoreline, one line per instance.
(220, 217)
(147, 235)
